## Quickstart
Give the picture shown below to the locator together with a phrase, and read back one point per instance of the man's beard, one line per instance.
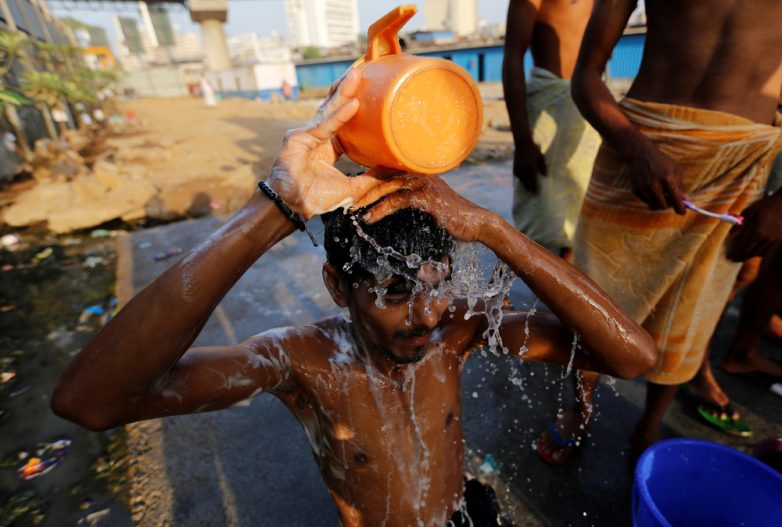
(418, 354)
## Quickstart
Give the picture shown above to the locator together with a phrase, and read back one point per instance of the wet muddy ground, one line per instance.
(45, 285)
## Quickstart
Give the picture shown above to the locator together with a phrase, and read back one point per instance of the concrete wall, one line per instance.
(259, 81)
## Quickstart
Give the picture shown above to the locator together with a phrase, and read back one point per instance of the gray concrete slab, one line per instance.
(252, 466)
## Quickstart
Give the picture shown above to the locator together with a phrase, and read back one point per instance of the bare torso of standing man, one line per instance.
(723, 55)
(559, 28)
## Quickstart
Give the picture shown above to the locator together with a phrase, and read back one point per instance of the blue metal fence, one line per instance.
(484, 64)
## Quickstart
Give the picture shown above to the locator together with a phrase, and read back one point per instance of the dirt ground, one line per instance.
(240, 132)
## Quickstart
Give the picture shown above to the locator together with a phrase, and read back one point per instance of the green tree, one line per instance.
(310, 53)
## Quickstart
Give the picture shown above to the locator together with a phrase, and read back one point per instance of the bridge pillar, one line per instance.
(211, 15)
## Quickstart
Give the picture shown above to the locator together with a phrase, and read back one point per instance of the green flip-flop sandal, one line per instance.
(722, 417)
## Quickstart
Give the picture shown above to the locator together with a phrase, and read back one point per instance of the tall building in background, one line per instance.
(322, 23)
(250, 48)
(129, 36)
(458, 16)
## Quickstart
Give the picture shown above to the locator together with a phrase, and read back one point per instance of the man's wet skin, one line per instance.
(723, 55)
(389, 445)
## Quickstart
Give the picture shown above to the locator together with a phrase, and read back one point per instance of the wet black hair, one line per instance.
(407, 231)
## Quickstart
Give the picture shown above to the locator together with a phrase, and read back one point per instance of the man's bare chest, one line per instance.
(359, 419)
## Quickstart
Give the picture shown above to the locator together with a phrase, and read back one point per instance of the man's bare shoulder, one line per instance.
(320, 336)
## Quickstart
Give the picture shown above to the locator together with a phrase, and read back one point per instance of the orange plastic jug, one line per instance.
(419, 114)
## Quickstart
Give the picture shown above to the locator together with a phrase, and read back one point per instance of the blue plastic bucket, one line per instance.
(694, 483)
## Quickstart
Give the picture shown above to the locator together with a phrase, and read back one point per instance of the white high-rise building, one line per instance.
(250, 48)
(322, 23)
(459, 16)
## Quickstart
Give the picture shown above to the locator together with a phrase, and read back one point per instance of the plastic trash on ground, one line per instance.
(174, 251)
(489, 465)
(43, 460)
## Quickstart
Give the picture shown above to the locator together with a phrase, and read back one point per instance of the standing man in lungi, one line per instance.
(555, 147)
(700, 124)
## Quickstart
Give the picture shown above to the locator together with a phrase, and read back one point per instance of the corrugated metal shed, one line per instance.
(483, 63)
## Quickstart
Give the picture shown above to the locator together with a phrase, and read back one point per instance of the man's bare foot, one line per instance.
(558, 443)
(774, 329)
(705, 387)
(752, 362)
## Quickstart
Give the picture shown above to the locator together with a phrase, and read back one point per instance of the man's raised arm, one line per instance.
(528, 161)
(139, 365)
(656, 180)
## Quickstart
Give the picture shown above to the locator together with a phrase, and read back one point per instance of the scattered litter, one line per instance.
(145, 245)
(113, 309)
(777, 388)
(489, 465)
(95, 309)
(43, 460)
(68, 242)
(104, 311)
(7, 376)
(95, 518)
(9, 241)
(93, 261)
(7, 267)
(100, 233)
(214, 204)
(43, 255)
(168, 254)
(20, 391)
(7, 308)
(24, 508)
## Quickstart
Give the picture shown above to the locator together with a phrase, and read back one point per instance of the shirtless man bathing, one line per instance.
(699, 123)
(378, 397)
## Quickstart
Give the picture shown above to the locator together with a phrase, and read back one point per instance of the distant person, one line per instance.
(698, 124)
(555, 148)
(287, 90)
(377, 392)
(208, 92)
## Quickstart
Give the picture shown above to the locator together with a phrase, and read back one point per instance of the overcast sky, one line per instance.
(260, 16)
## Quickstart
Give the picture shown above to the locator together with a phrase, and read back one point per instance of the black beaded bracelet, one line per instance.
(294, 217)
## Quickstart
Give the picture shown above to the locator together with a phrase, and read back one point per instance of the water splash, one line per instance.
(469, 279)
(573, 349)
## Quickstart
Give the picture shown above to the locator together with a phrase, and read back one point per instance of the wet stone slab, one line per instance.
(251, 465)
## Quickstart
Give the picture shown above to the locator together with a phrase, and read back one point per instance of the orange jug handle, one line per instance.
(382, 35)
